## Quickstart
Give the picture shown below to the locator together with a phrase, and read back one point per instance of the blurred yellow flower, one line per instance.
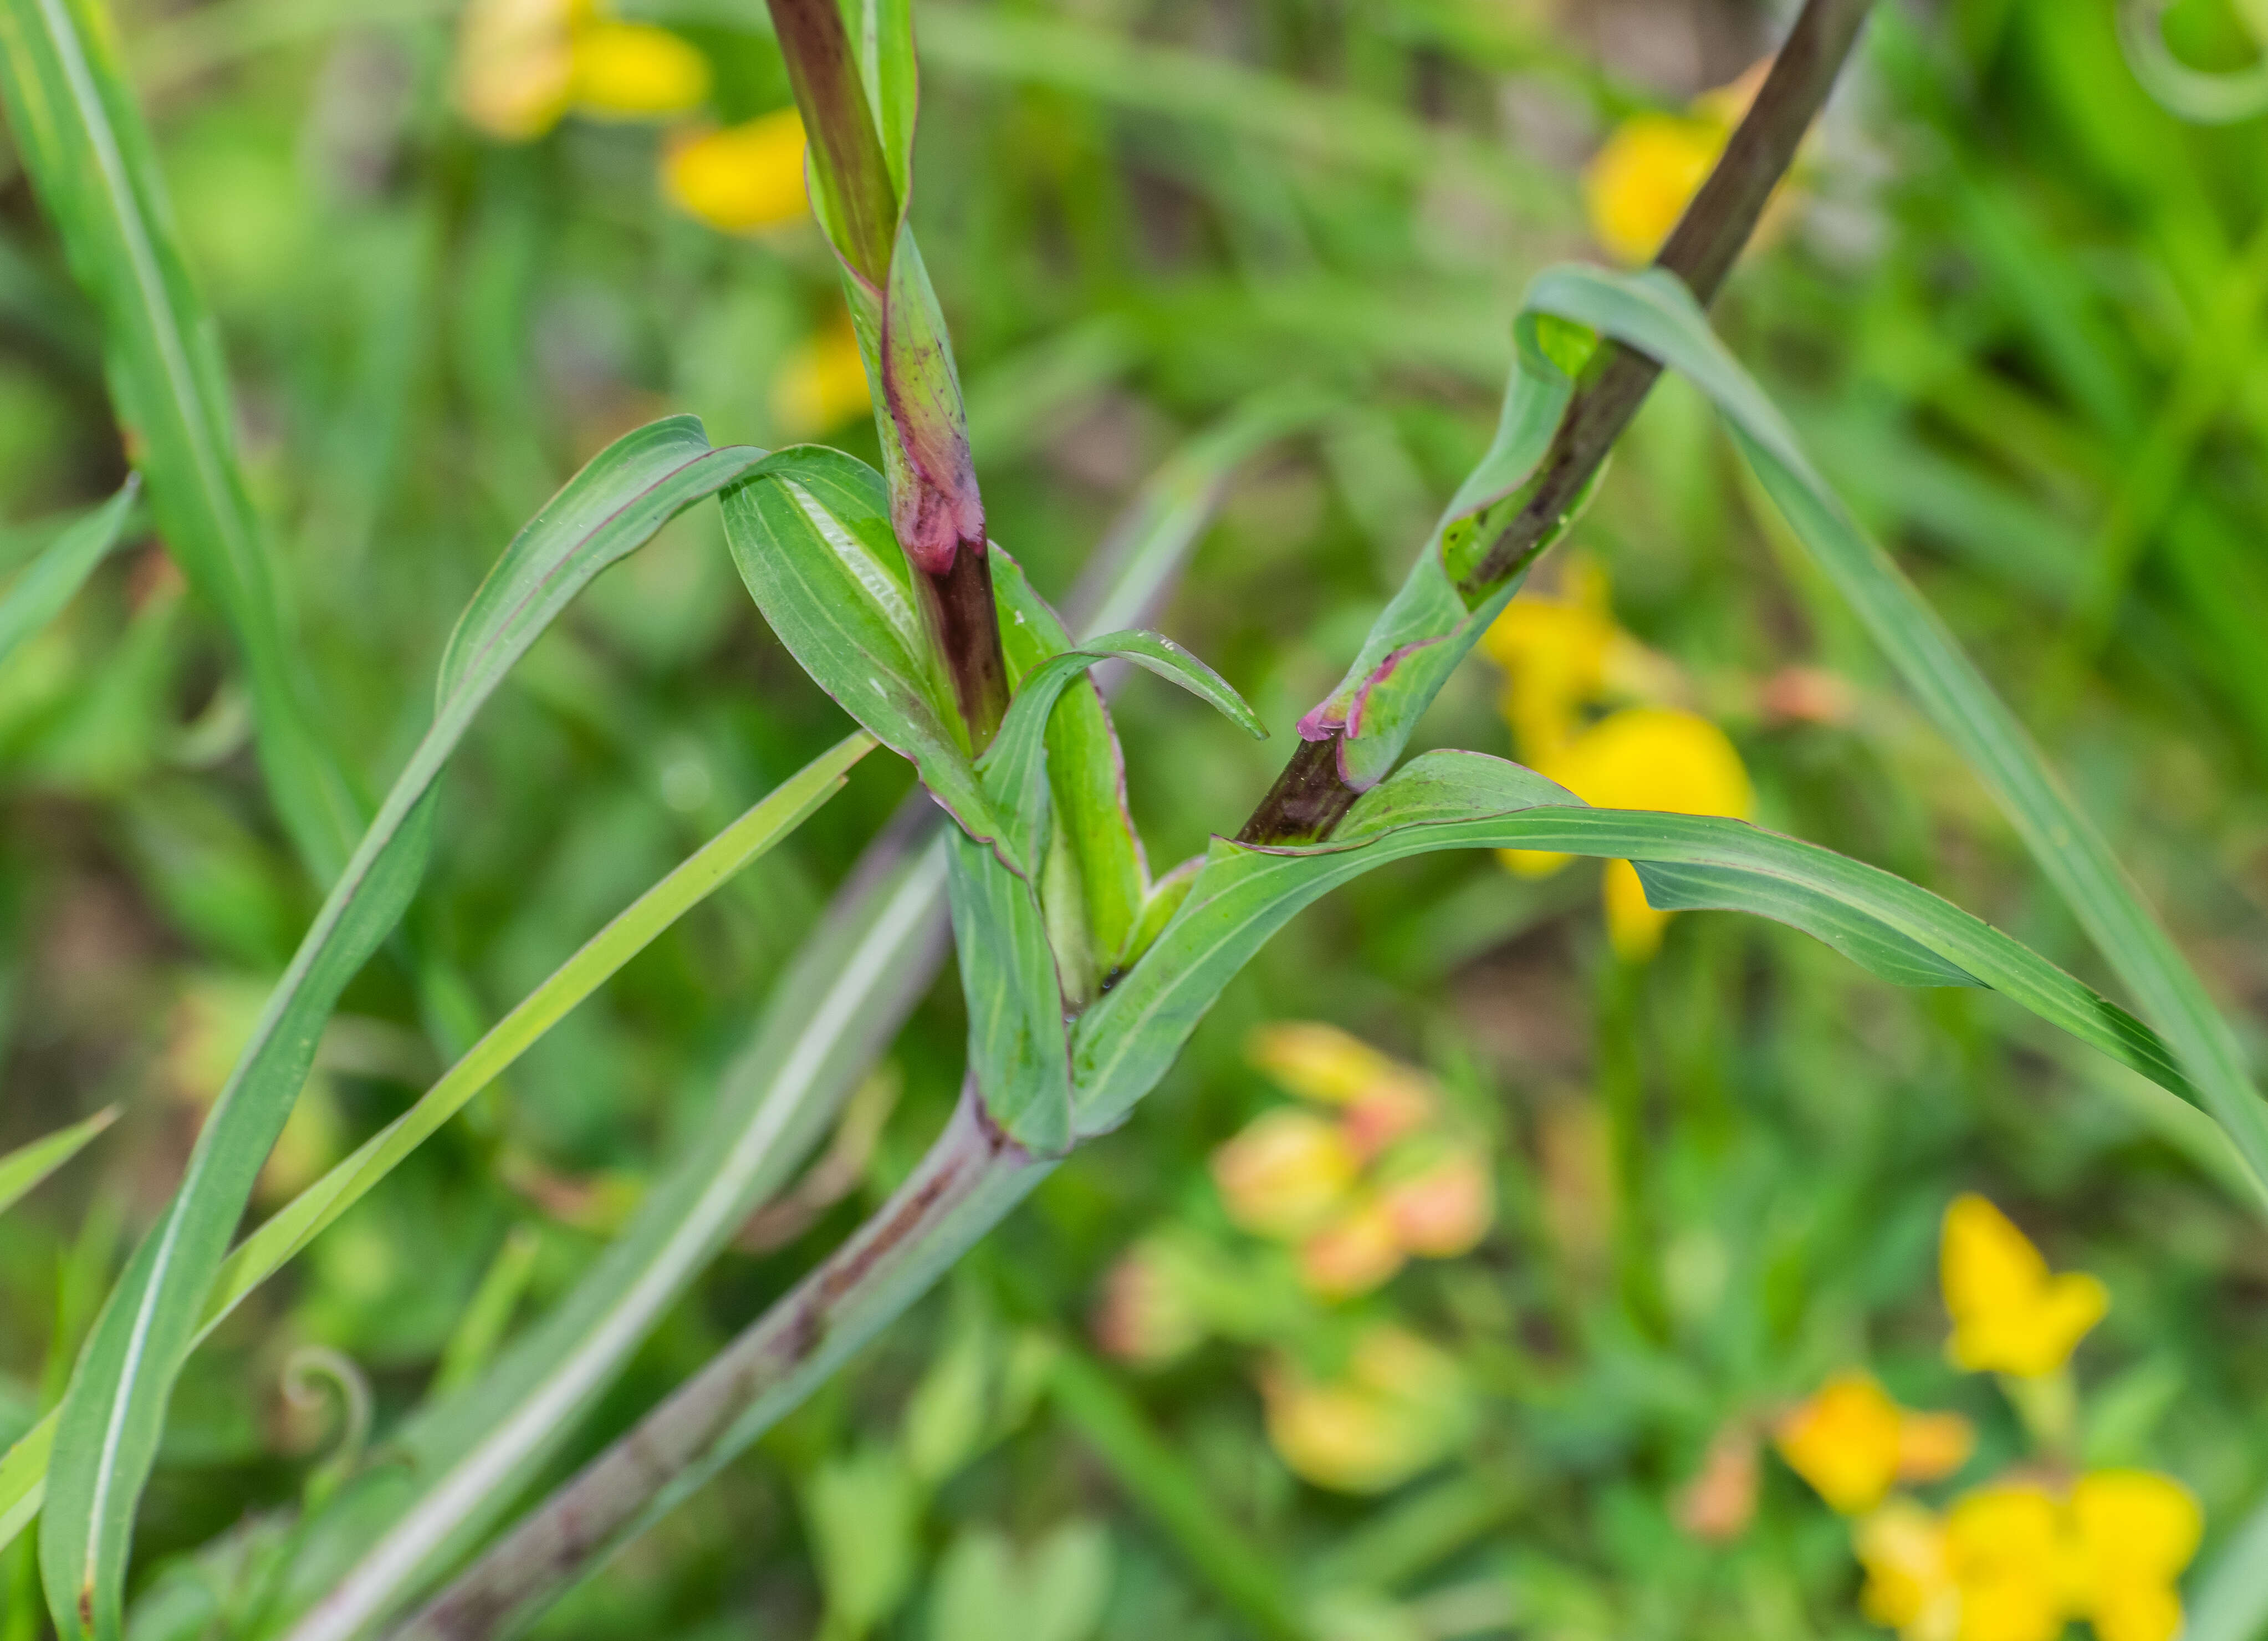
(1401, 1407)
(821, 384)
(1642, 757)
(2003, 1550)
(1555, 654)
(521, 64)
(2010, 1314)
(1445, 1208)
(1641, 180)
(2012, 1561)
(741, 178)
(1718, 1505)
(1637, 185)
(1909, 1584)
(514, 71)
(1354, 1253)
(2132, 1532)
(1383, 1100)
(1561, 656)
(1147, 1313)
(636, 71)
(1361, 1193)
(1851, 1442)
(1286, 1175)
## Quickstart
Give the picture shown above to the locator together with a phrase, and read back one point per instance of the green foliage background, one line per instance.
(2017, 316)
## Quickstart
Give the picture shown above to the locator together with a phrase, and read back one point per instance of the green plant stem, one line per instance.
(969, 1179)
(1312, 796)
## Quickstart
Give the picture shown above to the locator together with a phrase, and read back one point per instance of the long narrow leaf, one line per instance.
(22, 1169)
(1658, 315)
(91, 158)
(307, 1215)
(1463, 800)
(826, 1024)
(976, 1174)
(39, 595)
(107, 1432)
(966, 1184)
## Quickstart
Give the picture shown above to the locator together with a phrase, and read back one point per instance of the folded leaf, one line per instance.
(810, 531)
(1462, 800)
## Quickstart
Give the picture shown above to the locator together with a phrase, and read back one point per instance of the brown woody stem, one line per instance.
(1310, 797)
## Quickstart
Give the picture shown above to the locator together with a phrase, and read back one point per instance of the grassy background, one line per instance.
(2016, 312)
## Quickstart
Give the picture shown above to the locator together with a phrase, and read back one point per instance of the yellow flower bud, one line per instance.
(636, 71)
(1850, 1441)
(1638, 184)
(1147, 1314)
(1286, 1175)
(514, 69)
(2132, 1533)
(2003, 1544)
(1909, 1584)
(1400, 1406)
(2010, 1314)
(821, 384)
(1844, 1442)
(742, 179)
(1354, 1253)
(1445, 1210)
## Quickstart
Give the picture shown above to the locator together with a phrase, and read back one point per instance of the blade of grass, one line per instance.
(1338, 129)
(39, 595)
(2231, 1602)
(22, 1169)
(1145, 1464)
(966, 1183)
(91, 159)
(975, 1174)
(823, 1029)
(111, 1417)
(1659, 316)
(307, 1215)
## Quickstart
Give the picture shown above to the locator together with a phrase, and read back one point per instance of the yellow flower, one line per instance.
(1851, 1442)
(2004, 1549)
(1383, 1098)
(1286, 1175)
(2012, 1561)
(2010, 1314)
(2132, 1533)
(743, 178)
(1445, 1208)
(1909, 1584)
(1353, 1253)
(1640, 182)
(1401, 1407)
(821, 384)
(636, 71)
(1643, 758)
(1147, 1313)
(1554, 656)
(515, 65)
(1637, 185)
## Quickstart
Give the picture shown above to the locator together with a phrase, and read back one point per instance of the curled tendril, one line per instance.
(314, 1374)
(2193, 94)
